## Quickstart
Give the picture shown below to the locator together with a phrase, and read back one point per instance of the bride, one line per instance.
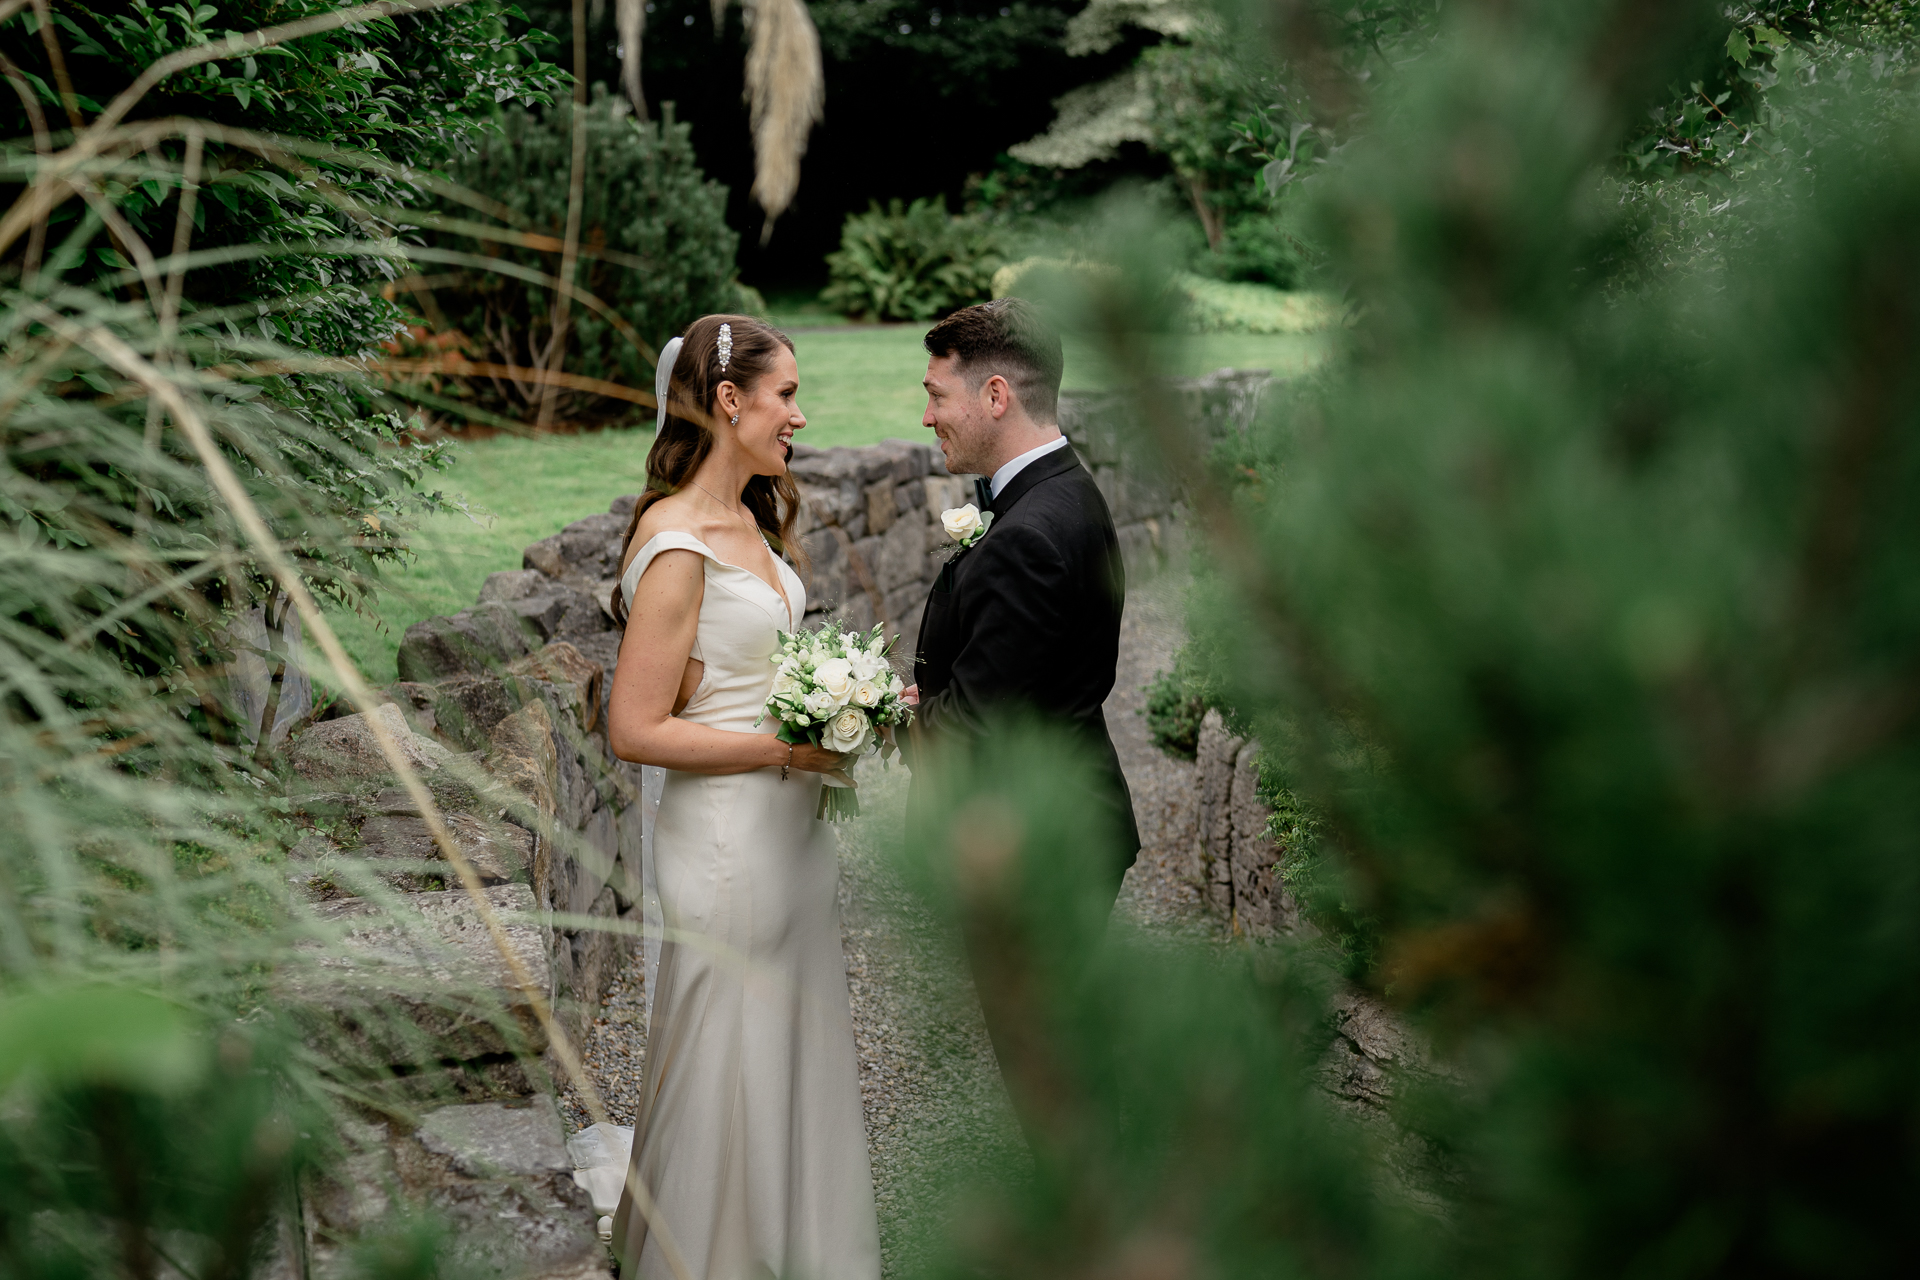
(750, 1151)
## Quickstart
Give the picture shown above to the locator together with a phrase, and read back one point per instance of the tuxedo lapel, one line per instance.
(1059, 462)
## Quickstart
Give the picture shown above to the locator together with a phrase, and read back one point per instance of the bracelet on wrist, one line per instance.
(788, 765)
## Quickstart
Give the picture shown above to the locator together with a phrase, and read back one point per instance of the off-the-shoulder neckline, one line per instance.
(707, 551)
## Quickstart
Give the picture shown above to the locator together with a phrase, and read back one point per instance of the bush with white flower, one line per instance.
(837, 690)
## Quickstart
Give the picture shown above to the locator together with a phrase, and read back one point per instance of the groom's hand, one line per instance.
(911, 695)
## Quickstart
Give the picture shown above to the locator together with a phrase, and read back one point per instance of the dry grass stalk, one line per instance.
(630, 24)
(555, 354)
(786, 95)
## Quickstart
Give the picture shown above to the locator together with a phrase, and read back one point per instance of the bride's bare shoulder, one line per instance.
(669, 515)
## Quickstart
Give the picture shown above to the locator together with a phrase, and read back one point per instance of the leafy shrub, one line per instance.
(281, 271)
(656, 221)
(1254, 247)
(404, 90)
(912, 263)
(1179, 698)
(1216, 306)
(1174, 712)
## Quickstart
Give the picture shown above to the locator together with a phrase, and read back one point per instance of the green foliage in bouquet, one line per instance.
(659, 249)
(916, 262)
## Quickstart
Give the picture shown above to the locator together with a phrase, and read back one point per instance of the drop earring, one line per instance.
(734, 421)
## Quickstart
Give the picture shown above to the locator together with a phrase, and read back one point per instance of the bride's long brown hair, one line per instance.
(685, 440)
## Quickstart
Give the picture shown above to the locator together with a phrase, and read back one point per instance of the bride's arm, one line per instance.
(641, 727)
(662, 620)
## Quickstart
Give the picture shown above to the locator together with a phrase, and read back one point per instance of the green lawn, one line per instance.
(520, 489)
(858, 384)
(861, 383)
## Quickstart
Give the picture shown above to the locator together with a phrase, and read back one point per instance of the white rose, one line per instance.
(835, 678)
(845, 732)
(961, 523)
(867, 694)
(819, 704)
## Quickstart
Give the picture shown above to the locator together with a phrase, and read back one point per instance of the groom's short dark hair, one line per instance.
(1007, 337)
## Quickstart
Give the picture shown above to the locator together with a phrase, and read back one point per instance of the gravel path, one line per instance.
(936, 1110)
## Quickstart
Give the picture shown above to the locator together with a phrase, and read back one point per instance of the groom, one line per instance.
(1028, 617)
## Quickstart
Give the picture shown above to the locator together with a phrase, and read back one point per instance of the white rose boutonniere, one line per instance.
(966, 525)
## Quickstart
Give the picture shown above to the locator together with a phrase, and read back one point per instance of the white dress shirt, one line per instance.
(1004, 476)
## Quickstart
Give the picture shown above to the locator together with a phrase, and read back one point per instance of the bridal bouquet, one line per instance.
(836, 689)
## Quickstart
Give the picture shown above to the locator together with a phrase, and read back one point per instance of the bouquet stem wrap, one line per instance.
(839, 798)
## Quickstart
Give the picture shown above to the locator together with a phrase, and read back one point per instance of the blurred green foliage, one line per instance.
(915, 262)
(1165, 1088)
(132, 1113)
(1573, 607)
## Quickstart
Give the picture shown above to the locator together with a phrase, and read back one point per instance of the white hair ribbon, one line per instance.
(662, 377)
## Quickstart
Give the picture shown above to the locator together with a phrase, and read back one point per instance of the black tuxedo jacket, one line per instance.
(1028, 618)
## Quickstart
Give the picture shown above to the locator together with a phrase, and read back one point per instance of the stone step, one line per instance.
(422, 983)
(497, 1173)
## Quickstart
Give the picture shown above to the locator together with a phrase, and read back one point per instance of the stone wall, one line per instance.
(409, 991)
(1371, 1057)
(1148, 510)
(1234, 860)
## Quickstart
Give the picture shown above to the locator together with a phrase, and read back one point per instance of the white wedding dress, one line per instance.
(750, 1135)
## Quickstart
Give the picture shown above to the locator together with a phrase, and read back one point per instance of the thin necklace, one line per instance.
(729, 510)
(757, 533)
